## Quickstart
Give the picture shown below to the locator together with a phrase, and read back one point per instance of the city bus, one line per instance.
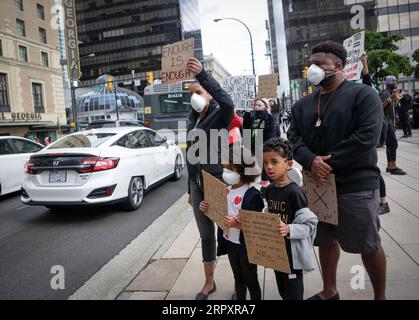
(167, 106)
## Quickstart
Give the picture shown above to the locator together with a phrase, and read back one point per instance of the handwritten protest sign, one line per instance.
(268, 86)
(216, 195)
(174, 59)
(355, 48)
(265, 246)
(241, 90)
(322, 200)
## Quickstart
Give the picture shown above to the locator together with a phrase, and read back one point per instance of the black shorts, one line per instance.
(359, 224)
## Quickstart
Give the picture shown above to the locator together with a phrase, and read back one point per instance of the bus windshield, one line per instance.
(175, 103)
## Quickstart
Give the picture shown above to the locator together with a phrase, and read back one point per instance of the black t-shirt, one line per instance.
(349, 132)
(285, 202)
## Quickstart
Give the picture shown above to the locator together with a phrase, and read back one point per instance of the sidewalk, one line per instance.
(175, 271)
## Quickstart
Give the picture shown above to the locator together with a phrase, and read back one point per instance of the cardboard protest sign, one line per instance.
(215, 193)
(174, 59)
(265, 246)
(268, 86)
(322, 200)
(241, 90)
(355, 48)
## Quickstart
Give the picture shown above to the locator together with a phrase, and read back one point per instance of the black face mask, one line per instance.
(392, 87)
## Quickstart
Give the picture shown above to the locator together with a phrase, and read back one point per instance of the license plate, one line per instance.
(58, 177)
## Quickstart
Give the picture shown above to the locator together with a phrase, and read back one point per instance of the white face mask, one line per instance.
(316, 74)
(231, 177)
(198, 102)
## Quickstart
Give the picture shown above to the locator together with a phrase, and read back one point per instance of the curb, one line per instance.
(120, 271)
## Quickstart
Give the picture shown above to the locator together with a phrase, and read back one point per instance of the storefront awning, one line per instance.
(23, 123)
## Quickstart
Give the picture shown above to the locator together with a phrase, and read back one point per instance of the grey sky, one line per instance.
(229, 40)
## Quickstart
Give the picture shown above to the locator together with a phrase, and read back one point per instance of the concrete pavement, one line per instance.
(174, 271)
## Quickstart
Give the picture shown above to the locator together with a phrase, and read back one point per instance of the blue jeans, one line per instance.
(205, 225)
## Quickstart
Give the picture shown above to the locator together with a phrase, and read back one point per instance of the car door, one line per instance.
(23, 150)
(138, 156)
(8, 166)
(163, 153)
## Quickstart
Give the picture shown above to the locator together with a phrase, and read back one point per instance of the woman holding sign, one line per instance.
(212, 109)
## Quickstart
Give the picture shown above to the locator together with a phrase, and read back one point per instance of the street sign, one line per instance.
(71, 40)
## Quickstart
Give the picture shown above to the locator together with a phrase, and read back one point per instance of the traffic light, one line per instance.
(149, 77)
(305, 72)
(310, 89)
(109, 83)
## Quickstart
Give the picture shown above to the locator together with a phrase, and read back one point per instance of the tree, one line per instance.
(383, 59)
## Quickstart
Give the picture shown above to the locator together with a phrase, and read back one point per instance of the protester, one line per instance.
(206, 115)
(416, 110)
(298, 224)
(240, 195)
(47, 140)
(403, 113)
(337, 130)
(367, 80)
(390, 98)
(275, 115)
(260, 120)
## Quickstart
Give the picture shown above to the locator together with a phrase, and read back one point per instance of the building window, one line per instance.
(23, 54)
(37, 97)
(42, 35)
(44, 59)
(19, 5)
(4, 100)
(40, 11)
(1, 48)
(20, 28)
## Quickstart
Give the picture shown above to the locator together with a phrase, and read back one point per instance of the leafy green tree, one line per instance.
(383, 59)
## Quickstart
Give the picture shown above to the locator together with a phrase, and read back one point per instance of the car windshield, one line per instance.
(90, 140)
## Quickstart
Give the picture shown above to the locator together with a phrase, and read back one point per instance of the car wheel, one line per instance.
(177, 174)
(135, 193)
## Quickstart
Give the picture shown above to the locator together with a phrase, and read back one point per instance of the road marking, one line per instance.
(20, 208)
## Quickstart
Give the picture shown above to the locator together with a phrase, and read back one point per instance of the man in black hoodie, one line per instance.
(212, 109)
(336, 129)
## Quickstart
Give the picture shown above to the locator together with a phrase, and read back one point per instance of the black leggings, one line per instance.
(382, 187)
(391, 143)
(290, 287)
(245, 273)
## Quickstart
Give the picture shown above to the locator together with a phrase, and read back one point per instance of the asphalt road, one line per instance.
(33, 240)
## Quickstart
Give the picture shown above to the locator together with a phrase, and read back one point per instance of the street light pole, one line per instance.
(73, 89)
(251, 43)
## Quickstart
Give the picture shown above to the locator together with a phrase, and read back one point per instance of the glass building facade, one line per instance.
(127, 36)
(401, 17)
(278, 45)
(308, 22)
